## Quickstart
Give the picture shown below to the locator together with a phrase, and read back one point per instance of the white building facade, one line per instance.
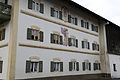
(48, 39)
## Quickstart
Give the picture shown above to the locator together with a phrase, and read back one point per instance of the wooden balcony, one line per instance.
(5, 12)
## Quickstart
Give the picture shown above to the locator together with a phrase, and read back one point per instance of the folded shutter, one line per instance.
(41, 8)
(3, 34)
(76, 21)
(99, 66)
(52, 66)
(83, 44)
(76, 42)
(61, 40)
(40, 66)
(29, 4)
(97, 47)
(94, 64)
(28, 66)
(82, 23)
(60, 15)
(41, 36)
(52, 38)
(93, 46)
(77, 66)
(83, 65)
(70, 66)
(61, 66)
(29, 33)
(52, 12)
(1, 66)
(69, 18)
(88, 45)
(90, 66)
(69, 42)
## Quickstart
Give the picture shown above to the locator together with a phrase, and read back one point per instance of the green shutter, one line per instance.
(29, 4)
(82, 23)
(69, 18)
(52, 66)
(29, 33)
(76, 21)
(76, 42)
(77, 66)
(83, 44)
(83, 66)
(40, 66)
(61, 66)
(69, 42)
(3, 34)
(1, 66)
(41, 8)
(52, 12)
(60, 15)
(61, 40)
(70, 66)
(28, 66)
(41, 36)
(90, 66)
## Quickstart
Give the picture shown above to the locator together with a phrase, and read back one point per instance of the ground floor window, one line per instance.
(1, 66)
(74, 66)
(56, 66)
(34, 66)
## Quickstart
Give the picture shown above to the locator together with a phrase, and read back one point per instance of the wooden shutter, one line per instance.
(90, 66)
(76, 21)
(60, 15)
(70, 66)
(52, 38)
(28, 66)
(87, 25)
(52, 66)
(69, 18)
(41, 8)
(61, 66)
(69, 42)
(3, 34)
(29, 4)
(99, 66)
(77, 66)
(52, 12)
(41, 36)
(82, 23)
(61, 40)
(94, 64)
(40, 66)
(1, 66)
(88, 45)
(76, 42)
(93, 46)
(83, 44)
(29, 33)
(83, 65)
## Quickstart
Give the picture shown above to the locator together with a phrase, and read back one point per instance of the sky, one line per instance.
(109, 9)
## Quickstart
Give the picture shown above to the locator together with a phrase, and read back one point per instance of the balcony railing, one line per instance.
(5, 12)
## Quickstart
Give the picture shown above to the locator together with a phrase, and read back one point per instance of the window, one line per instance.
(114, 67)
(73, 42)
(73, 66)
(56, 13)
(72, 20)
(2, 34)
(86, 65)
(95, 46)
(1, 66)
(94, 28)
(84, 24)
(56, 38)
(34, 5)
(34, 66)
(56, 66)
(33, 34)
(97, 65)
(85, 44)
